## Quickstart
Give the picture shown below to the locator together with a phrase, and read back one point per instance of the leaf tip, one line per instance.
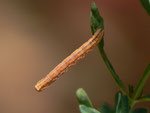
(80, 91)
(93, 6)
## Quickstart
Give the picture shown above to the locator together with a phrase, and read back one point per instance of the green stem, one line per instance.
(140, 85)
(111, 69)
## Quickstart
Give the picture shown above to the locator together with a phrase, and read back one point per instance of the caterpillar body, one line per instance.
(70, 60)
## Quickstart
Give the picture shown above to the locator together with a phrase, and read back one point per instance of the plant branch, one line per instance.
(111, 69)
(140, 85)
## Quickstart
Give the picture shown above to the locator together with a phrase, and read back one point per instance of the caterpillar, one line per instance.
(70, 60)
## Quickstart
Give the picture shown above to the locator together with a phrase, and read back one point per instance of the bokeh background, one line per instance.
(36, 35)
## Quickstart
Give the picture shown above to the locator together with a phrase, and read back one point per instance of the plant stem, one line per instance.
(111, 69)
(140, 85)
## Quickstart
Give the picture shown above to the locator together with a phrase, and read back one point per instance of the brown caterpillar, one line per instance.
(70, 60)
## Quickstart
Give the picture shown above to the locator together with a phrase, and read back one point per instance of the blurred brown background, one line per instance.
(35, 35)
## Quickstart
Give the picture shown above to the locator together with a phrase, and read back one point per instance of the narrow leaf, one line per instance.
(144, 98)
(96, 20)
(146, 5)
(140, 110)
(83, 98)
(85, 109)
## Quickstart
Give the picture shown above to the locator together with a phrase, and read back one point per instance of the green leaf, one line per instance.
(83, 98)
(146, 5)
(141, 84)
(96, 20)
(140, 110)
(106, 109)
(121, 103)
(85, 109)
(144, 98)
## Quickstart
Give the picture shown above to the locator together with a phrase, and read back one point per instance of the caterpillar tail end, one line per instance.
(38, 88)
(41, 85)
